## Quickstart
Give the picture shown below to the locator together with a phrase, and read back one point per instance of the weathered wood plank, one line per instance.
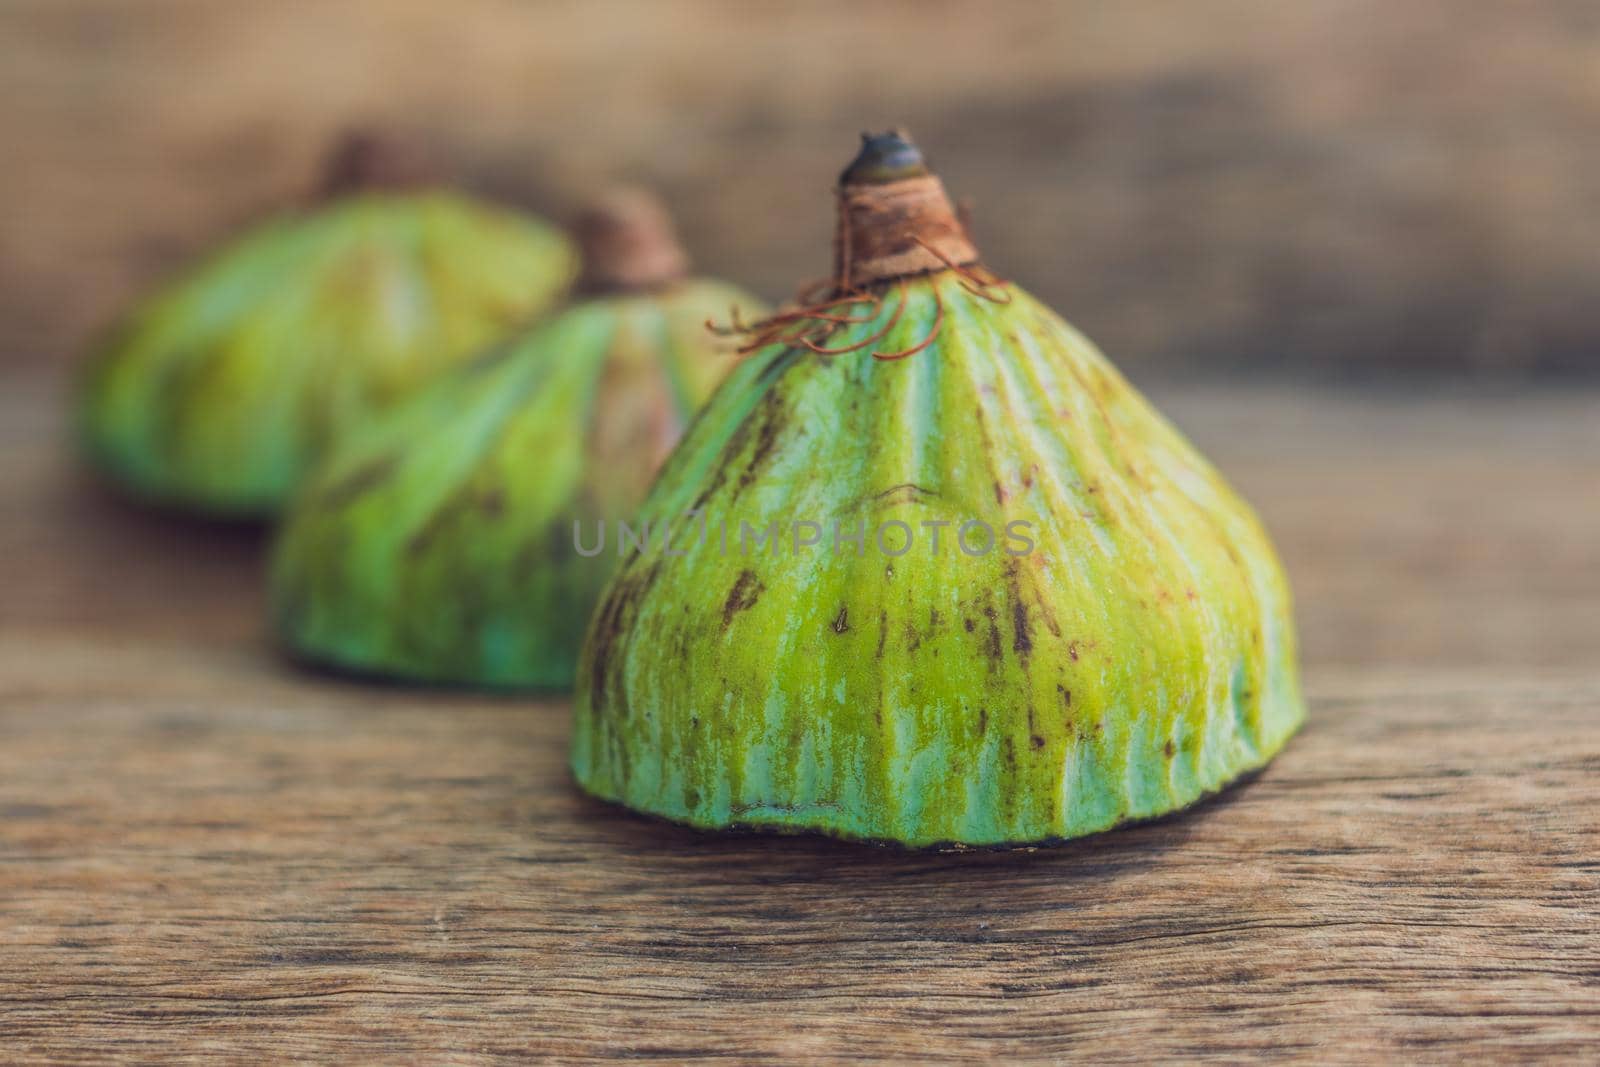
(238, 857)
(1327, 182)
(204, 850)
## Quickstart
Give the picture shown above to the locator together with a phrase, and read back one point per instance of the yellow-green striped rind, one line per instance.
(1140, 657)
(217, 393)
(437, 545)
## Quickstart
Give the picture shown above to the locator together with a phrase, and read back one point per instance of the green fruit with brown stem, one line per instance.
(932, 572)
(438, 545)
(217, 394)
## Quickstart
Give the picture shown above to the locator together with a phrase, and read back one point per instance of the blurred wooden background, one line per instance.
(1327, 184)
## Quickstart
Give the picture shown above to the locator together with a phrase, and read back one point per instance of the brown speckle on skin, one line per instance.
(992, 646)
(1066, 696)
(611, 620)
(457, 504)
(1021, 639)
(747, 589)
(905, 492)
(605, 632)
(368, 476)
(734, 445)
(1169, 749)
(773, 417)
(913, 639)
(1050, 622)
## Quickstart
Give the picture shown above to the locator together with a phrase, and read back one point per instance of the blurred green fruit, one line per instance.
(216, 394)
(438, 545)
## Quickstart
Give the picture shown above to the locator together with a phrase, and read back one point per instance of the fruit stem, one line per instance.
(895, 219)
(628, 243)
(362, 160)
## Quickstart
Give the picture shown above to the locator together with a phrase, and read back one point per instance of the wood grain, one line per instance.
(206, 852)
(1325, 183)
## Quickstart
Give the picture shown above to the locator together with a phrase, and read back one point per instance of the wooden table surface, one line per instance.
(204, 850)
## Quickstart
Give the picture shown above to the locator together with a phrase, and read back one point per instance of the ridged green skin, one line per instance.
(1142, 656)
(217, 394)
(437, 545)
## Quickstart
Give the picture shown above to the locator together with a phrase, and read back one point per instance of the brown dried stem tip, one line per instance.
(363, 160)
(628, 243)
(895, 218)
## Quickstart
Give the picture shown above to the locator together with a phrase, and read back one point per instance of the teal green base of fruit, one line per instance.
(1139, 656)
(217, 395)
(438, 546)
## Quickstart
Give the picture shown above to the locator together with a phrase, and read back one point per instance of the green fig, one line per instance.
(217, 394)
(928, 570)
(438, 544)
